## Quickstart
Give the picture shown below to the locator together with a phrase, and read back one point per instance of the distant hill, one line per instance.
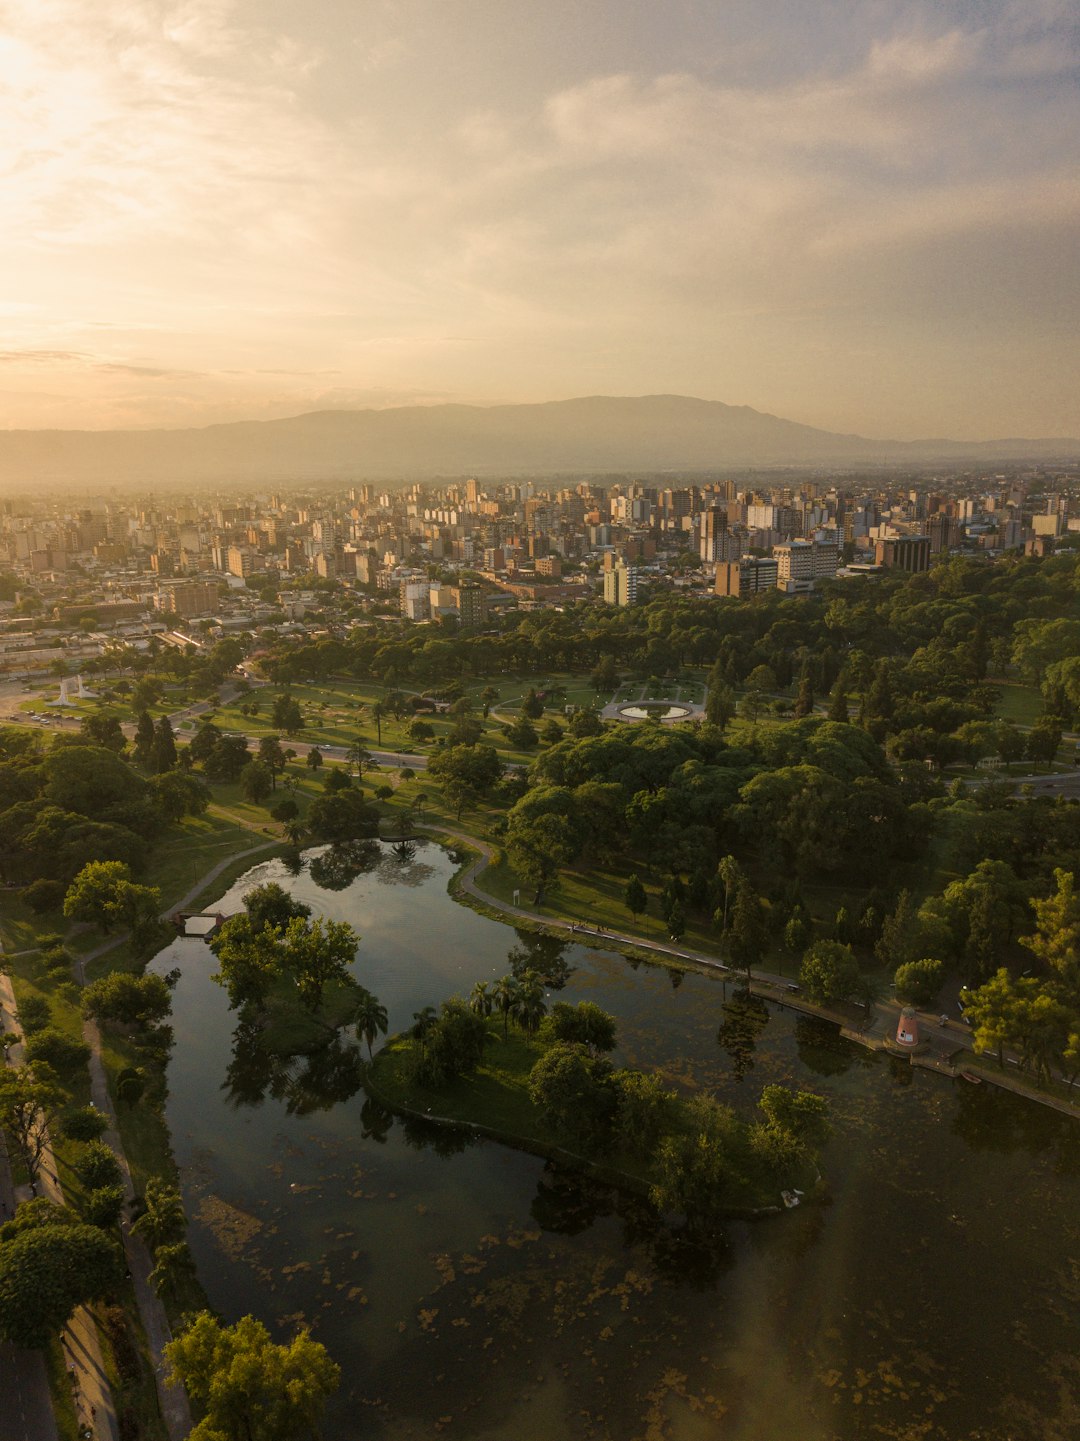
(592, 434)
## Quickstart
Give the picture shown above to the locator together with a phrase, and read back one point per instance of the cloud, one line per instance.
(243, 190)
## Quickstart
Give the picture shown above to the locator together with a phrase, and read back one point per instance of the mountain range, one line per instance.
(590, 435)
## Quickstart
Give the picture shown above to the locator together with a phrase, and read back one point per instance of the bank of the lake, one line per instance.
(453, 1277)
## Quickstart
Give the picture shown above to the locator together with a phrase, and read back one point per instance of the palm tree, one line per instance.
(295, 830)
(424, 1023)
(370, 1019)
(162, 1220)
(173, 1265)
(505, 995)
(481, 1001)
(531, 1007)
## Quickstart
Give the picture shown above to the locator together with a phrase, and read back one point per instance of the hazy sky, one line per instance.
(861, 214)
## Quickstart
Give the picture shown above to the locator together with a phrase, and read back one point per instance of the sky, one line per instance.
(859, 214)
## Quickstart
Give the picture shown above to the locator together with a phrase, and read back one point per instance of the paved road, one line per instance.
(25, 1407)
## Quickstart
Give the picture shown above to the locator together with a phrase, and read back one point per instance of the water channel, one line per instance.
(475, 1291)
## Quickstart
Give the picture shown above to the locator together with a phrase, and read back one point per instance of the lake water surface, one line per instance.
(480, 1293)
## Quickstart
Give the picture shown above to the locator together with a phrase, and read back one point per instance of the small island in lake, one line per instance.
(503, 1066)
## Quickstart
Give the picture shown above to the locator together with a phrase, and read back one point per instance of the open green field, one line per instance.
(1021, 704)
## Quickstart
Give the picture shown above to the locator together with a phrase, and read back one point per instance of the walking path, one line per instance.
(873, 1028)
(22, 1373)
(82, 1347)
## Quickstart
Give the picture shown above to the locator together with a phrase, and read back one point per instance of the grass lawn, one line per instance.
(1021, 704)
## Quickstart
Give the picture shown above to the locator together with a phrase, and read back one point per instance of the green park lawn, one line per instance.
(1021, 704)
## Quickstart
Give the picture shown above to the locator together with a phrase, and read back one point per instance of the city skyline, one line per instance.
(223, 211)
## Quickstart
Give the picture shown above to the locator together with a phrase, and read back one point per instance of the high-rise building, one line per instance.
(904, 552)
(746, 576)
(714, 524)
(620, 584)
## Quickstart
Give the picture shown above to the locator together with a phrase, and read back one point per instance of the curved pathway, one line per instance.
(866, 1027)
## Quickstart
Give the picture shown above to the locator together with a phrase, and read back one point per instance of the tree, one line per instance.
(1043, 740)
(378, 710)
(227, 759)
(505, 997)
(804, 700)
(97, 1166)
(748, 936)
(729, 874)
(163, 752)
(636, 901)
(317, 954)
(103, 730)
(576, 1095)
(719, 705)
(645, 1111)
(161, 1217)
(287, 715)
(901, 937)
(1056, 940)
(582, 1025)
(531, 1008)
(273, 757)
(358, 755)
(102, 1207)
(145, 737)
(127, 999)
(57, 1050)
(370, 1019)
(918, 982)
(85, 1124)
(174, 1266)
(488, 696)
(838, 706)
(130, 1085)
(46, 1272)
(676, 921)
(532, 707)
(829, 972)
(103, 894)
(314, 758)
(29, 1098)
(256, 781)
(994, 1013)
(481, 1000)
(248, 1387)
(695, 1168)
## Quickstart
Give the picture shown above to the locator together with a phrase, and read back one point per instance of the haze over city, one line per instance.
(860, 220)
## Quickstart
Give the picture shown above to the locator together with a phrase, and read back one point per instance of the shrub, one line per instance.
(34, 1014)
(85, 1124)
(98, 1166)
(58, 1050)
(44, 895)
(103, 1206)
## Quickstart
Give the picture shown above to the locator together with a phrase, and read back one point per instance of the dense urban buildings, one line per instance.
(121, 568)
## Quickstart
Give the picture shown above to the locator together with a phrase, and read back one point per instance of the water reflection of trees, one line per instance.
(546, 955)
(338, 866)
(307, 1083)
(989, 1119)
(424, 1135)
(823, 1050)
(568, 1203)
(745, 1017)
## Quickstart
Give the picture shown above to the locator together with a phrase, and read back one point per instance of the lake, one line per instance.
(474, 1290)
